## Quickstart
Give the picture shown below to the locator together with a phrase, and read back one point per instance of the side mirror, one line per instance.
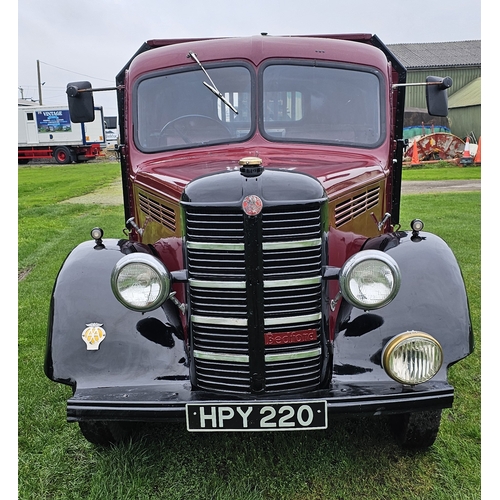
(80, 102)
(437, 95)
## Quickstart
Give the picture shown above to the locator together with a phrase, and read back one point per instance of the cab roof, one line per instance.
(362, 49)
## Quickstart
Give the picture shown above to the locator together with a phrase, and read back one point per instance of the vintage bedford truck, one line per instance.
(265, 282)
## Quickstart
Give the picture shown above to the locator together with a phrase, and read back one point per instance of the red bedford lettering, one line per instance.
(290, 337)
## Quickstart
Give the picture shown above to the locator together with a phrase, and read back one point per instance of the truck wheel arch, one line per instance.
(131, 348)
(432, 299)
(433, 294)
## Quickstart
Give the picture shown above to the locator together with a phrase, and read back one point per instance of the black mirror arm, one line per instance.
(446, 83)
(73, 91)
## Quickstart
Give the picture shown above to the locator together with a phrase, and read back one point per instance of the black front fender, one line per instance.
(138, 348)
(432, 299)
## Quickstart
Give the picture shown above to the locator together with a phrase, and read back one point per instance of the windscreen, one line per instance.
(177, 110)
(309, 103)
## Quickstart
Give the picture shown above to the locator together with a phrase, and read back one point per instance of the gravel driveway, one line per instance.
(421, 187)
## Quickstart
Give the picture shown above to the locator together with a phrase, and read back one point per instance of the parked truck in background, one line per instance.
(266, 282)
(46, 132)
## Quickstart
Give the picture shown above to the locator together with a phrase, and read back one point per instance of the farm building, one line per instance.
(462, 62)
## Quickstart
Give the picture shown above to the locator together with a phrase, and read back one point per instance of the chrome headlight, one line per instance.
(370, 279)
(140, 282)
(412, 358)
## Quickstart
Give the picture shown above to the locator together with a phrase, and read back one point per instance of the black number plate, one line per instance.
(284, 416)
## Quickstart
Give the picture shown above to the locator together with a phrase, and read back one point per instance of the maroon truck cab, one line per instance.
(266, 282)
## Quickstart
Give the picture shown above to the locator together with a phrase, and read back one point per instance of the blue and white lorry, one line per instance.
(47, 132)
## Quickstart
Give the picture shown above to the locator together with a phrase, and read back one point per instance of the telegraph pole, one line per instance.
(39, 82)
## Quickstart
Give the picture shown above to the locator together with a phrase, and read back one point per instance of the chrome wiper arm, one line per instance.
(213, 88)
(220, 96)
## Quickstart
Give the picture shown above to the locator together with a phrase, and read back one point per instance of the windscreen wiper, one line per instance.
(213, 88)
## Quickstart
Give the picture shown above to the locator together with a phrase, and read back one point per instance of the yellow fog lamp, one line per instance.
(412, 357)
(140, 282)
(370, 279)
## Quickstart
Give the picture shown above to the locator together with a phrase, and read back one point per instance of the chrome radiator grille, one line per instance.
(236, 304)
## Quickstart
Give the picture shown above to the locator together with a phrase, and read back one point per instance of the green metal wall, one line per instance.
(415, 96)
(462, 120)
(466, 122)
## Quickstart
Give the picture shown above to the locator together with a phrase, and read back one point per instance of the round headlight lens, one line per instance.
(412, 358)
(370, 279)
(140, 282)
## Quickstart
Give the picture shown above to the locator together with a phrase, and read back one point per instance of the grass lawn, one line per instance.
(354, 459)
(444, 172)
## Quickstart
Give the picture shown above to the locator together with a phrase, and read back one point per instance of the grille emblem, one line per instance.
(252, 205)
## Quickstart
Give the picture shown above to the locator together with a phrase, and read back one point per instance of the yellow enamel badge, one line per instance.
(93, 335)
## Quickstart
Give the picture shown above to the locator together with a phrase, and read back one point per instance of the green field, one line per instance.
(354, 459)
(445, 172)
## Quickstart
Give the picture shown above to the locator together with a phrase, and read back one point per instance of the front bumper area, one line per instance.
(167, 402)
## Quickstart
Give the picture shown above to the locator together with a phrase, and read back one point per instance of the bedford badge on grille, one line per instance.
(252, 205)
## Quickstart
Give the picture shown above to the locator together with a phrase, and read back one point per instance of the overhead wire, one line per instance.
(76, 73)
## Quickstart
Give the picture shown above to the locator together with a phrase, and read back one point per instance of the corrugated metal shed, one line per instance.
(470, 95)
(465, 111)
(439, 54)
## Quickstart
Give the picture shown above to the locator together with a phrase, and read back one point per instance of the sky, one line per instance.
(94, 39)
